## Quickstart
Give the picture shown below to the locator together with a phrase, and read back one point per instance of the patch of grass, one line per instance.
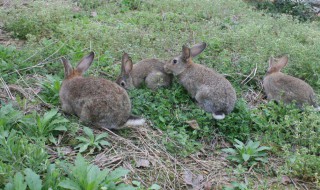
(285, 124)
(298, 9)
(302, 164)
(240, 40)
(170, 110)
(43, 22)
(306, 166)
(89, 4)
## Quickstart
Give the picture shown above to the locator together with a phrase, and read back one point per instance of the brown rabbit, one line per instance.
(281, 87)
(149, 71)
(95, 100)
(212, 91)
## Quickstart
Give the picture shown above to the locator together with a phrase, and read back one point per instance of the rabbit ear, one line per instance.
(67, 67)
(186, 52)
(197, 49)
(126, 65)
(271, 62)
(282, 62)
(85, 63)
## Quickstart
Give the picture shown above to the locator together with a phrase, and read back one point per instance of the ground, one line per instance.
(180, 146)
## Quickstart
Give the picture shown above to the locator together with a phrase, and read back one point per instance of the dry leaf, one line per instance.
(197, 182)
(76, 9)
(207, 185)
(285, 180)
(66, 150)
(187, 176)
(193, 124)
(100, 159)
(143, 163)
(94, 14)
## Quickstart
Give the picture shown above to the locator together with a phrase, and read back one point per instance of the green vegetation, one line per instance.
(92, 141)
(247, 154)
(298, 9)
(35, 135)
(82, 176)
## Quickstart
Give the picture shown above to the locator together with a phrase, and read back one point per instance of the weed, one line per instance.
(137, 184)
(9, 117)
(127, 5)
(17, 151)
(82, 175)
(247, 154)
(50, 89)
(44, 126)
(304, 165)
(237, 186)
(33, 181)
(91, 140)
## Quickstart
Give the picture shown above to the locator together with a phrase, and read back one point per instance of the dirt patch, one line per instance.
(7, 40)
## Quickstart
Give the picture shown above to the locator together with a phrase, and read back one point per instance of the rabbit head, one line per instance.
(275, 66)
(125, 78)
(178, 64)
(82, 67)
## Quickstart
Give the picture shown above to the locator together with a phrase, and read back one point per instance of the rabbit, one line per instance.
(212, 91)
(149, 71)
(95, 101)
(281, 87)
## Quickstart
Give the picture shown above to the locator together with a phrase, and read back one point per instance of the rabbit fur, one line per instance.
(95, 101)
(212, 91)
(149, 71)
(281, 87)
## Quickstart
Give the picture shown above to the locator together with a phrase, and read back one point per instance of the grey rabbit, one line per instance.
(281, 87)
(149, 71)
(95, 100)
(213, 92)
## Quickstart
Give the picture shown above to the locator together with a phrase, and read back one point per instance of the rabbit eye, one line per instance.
(175, 61)
(122, 83)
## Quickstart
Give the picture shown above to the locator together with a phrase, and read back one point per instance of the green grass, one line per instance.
(240, 39)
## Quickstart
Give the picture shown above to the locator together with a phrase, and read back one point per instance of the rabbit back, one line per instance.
(282, 87)
(97, 101)
(150, 71)
(213, 92)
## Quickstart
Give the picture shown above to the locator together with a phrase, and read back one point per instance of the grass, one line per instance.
(240, 40)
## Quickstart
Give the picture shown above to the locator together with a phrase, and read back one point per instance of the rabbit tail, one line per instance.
(218, 115)
(135, 121)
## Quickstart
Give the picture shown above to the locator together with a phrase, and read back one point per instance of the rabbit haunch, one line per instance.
(211, 90)
(149, 71)
(97, 101)
(281, 87)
